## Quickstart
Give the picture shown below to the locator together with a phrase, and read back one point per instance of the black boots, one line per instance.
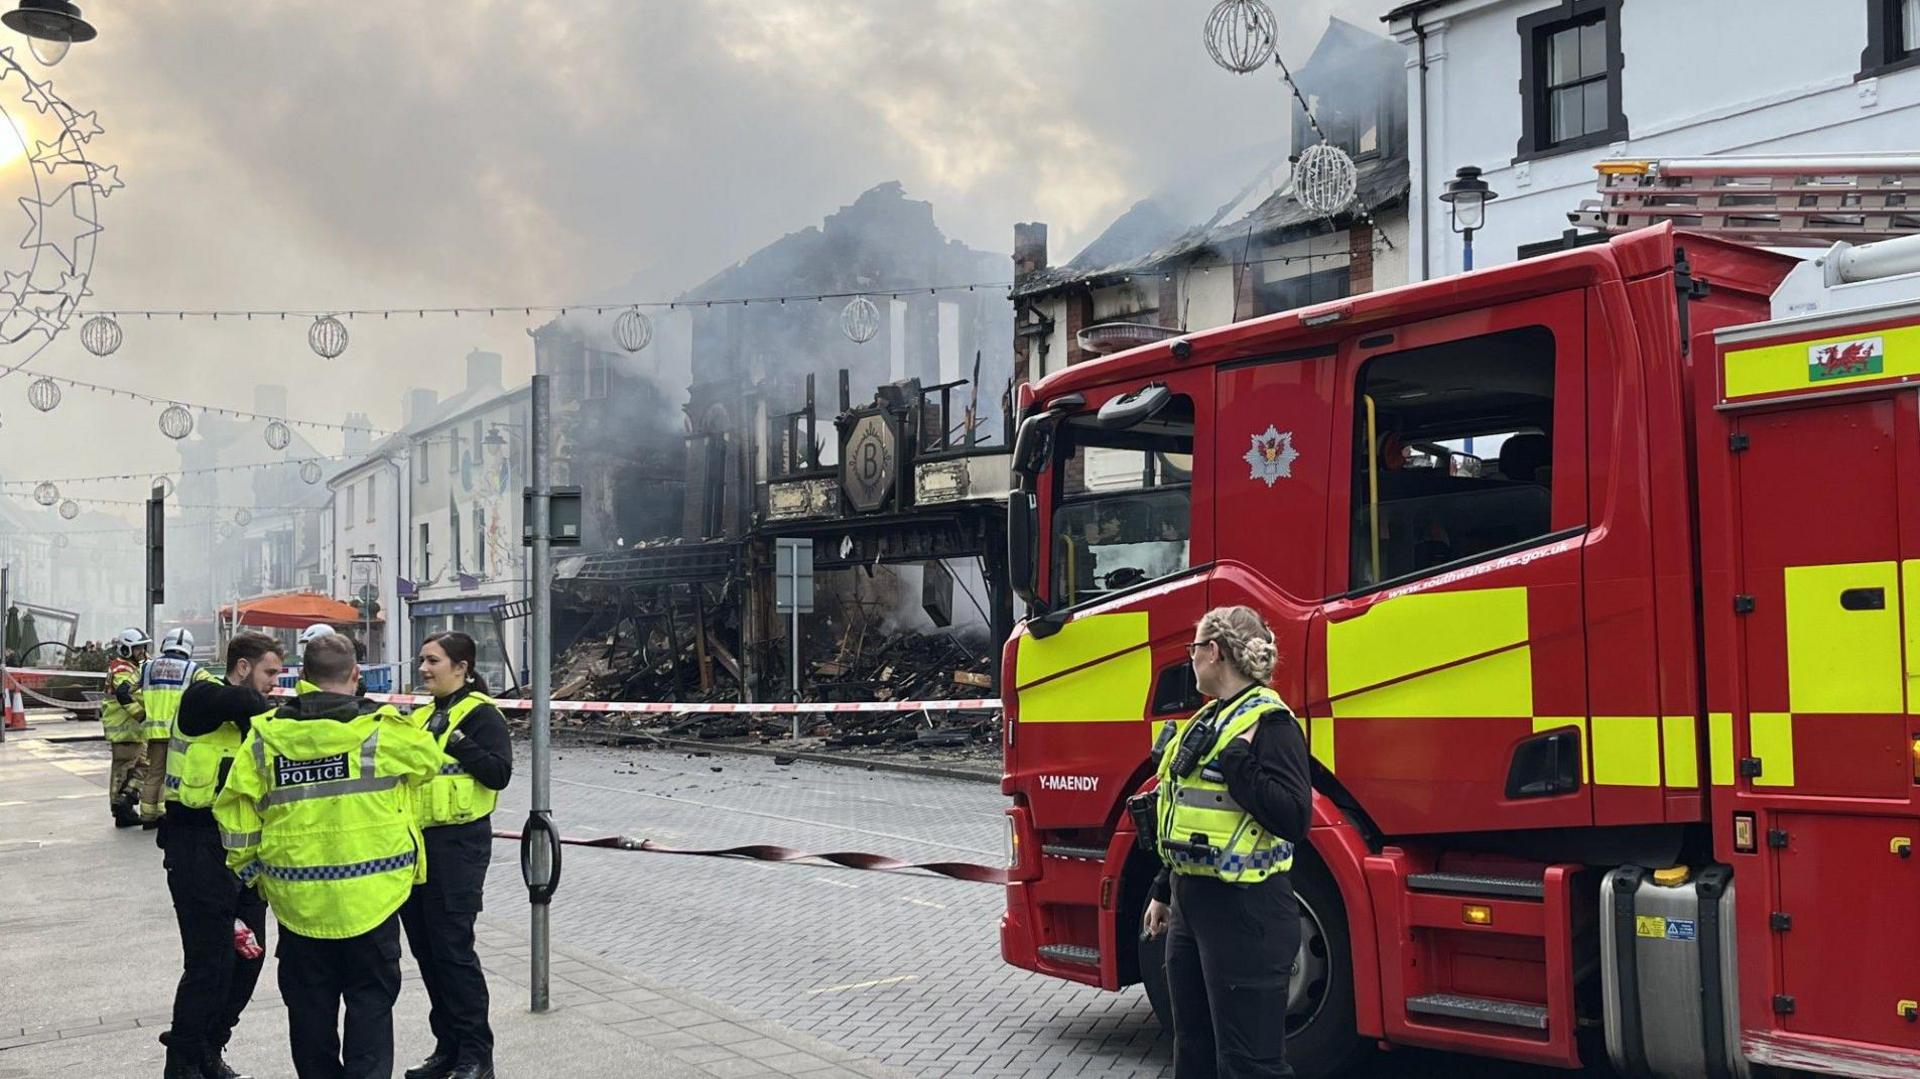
(438, 1066)
(216, 1068)
(472, 1071)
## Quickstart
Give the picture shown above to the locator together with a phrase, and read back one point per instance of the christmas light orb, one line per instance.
(310, 472)
(327, 337)
(1325, 180)
(176, 422)
(278, 435)
(69, 509)
(860, 320)
(46, 493)
(633, 330)
(1240, 35)
(164, 484)
(101, 335)
(44, 394)
(243, 517)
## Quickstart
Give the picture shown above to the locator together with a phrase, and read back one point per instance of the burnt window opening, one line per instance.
(1303, 290)
(1123, 515)
(1570, 69)
(1893, 37)
(1458, 457)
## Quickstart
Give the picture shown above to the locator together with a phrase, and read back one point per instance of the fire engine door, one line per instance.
(1455, 695)
(1823, 585)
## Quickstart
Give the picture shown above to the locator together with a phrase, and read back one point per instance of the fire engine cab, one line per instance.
(1596, 585)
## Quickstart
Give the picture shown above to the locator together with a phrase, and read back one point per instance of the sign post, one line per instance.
(793, 594)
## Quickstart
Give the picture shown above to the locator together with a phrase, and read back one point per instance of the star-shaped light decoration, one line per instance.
(73, 286)
(60, 231)
(111, 172)
(17, 285)
(84, 125)
(39, 94)
(64, 150)
(1272, 455)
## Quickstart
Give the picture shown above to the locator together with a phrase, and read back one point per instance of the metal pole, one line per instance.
(542, 676)
(1466, 254)
(793, 595)
(6, 598)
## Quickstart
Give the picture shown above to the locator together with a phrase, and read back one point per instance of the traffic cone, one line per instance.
(16, 714)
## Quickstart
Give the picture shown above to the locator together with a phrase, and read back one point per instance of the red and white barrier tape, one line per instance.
(55, 672)
(697, 708)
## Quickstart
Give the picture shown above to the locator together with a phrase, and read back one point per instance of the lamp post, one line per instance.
(50, 26)
(1467, 196)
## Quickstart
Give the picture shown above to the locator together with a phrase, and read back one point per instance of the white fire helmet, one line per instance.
(177, 642)
(131, 639)
(315, 632)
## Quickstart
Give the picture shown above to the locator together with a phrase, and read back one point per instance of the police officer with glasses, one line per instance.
(1232, 803)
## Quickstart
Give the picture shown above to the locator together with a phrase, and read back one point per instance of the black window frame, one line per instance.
(1883, 54)
(1536, 31)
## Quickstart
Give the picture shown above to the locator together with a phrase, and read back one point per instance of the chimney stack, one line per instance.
(483, 370)
(418, 406)
(359, 441)
(1029, 248)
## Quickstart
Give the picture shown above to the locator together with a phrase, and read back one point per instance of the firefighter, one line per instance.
(318, 813)
(124, 720)
(453, 811)
(308, 636)
(163, 682)
(1233, 802)
(215, 982)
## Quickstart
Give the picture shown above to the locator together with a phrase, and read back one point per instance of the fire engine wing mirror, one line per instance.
(1023, 511)
(1131, 409)
(1034, 444)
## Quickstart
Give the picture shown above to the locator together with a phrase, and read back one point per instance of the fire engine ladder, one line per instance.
(1792, 200)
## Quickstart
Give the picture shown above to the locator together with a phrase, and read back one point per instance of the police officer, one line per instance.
(124, 721)
(1233, 802)
(215, 982)
(453, 811)
(318, 811)
(163, 682)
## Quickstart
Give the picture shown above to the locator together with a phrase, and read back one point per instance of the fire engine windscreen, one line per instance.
(1124, 511)
(1461, 454)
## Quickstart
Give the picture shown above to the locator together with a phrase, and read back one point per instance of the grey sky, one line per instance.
(308, 153)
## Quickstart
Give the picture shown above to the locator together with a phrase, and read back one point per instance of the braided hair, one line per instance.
(1245, 640)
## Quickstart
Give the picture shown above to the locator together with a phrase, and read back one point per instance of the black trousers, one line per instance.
(215, 982)
(316, 976)
(439, 920)
(1230, 954)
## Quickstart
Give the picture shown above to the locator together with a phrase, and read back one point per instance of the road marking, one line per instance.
(864, 985)
(925, 903)
(75, 797)
(836, 883)
(16, 802)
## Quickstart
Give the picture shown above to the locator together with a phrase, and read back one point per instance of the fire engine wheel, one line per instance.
(1321, 1039)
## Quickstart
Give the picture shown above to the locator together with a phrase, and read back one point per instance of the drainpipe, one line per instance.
(1420, 181)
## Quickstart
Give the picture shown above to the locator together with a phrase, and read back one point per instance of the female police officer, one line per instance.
(453, 811)
(1233, 801)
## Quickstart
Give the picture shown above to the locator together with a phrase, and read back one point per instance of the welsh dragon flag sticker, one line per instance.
(1846, 359)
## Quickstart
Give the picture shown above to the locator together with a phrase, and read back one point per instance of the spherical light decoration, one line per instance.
(310, 472)
(69, 509)
(44, 394)
(60, 543)
(46, 493)
(278, 435)
(327, 336)
(165, 483)
(176, 422)
(1324, 179)
(243, 517)
(860, 320)
(632, 330)
(1240, 35)
(101, 335)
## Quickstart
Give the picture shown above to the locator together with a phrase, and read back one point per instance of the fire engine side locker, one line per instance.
(1823, 441)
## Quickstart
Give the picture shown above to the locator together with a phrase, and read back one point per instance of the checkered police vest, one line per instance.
(452, 796)
(319, 813)
(1203, 831)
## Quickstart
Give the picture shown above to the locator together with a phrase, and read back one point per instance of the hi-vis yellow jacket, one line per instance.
(123, 722)
(318, 811)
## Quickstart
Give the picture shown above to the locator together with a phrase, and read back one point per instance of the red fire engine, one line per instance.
(1590, 579)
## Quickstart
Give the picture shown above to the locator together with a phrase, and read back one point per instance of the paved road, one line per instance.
(898, 968)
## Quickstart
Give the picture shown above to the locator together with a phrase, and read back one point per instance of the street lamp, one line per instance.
(50, 27)
(1467, 196)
